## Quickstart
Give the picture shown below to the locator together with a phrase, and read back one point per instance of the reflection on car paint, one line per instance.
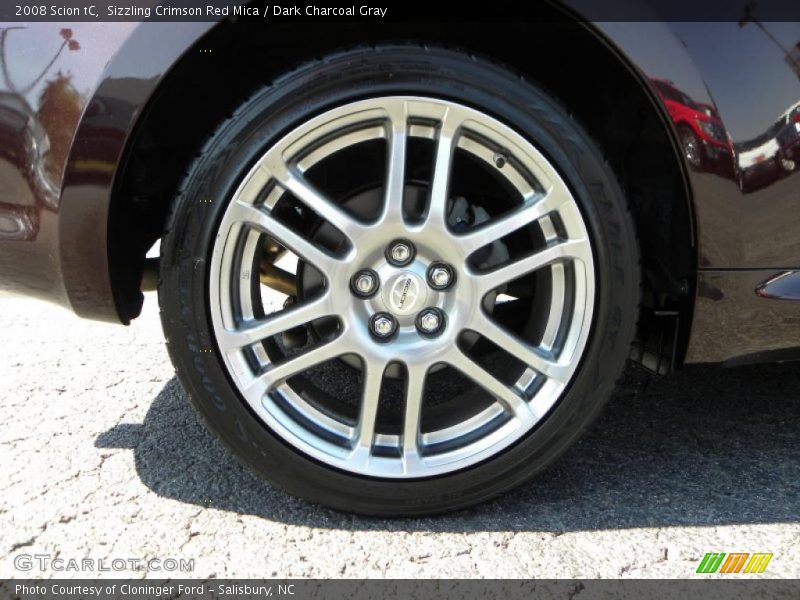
(34, 143)
(773, 154)
(706, 144)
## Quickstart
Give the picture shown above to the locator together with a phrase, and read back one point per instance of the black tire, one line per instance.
(309, 90)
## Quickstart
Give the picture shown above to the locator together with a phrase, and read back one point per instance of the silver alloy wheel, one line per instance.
(404, 291)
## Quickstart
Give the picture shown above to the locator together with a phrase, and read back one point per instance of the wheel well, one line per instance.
(589, 78)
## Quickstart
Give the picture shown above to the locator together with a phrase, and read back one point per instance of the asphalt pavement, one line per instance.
(102, 458)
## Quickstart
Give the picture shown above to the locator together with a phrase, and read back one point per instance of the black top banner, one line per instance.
(379, 10)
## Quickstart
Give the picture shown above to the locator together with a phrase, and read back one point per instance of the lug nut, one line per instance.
(400, 253)
(440, 276)
(365, 283)
(430, 321)
(382, 325)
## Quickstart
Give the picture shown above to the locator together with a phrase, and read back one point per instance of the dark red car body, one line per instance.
(77, 216)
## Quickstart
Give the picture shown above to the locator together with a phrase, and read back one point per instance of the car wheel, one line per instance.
(692, 149)
(399, 280)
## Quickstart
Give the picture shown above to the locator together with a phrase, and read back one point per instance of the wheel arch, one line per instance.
(645, 155)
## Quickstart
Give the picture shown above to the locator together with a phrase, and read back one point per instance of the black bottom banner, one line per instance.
(390, 589)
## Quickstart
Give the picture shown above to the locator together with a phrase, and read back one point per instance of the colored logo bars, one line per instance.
(734, 563)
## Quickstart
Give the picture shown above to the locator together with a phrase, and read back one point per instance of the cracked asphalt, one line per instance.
(102, 458)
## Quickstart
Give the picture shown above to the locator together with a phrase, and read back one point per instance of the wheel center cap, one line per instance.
(405, 293)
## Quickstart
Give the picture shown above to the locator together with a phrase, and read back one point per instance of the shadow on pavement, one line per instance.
(705, 446)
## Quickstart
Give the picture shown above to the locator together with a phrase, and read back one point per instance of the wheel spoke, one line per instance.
(415, 386)
(507, 396)
(569, 250)
(443, 163)
(316, 201)
(533, 210)
(261, 329)
(368, 413)
(395, 177)
(302, 362)
(264, 221)
(537, 358)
